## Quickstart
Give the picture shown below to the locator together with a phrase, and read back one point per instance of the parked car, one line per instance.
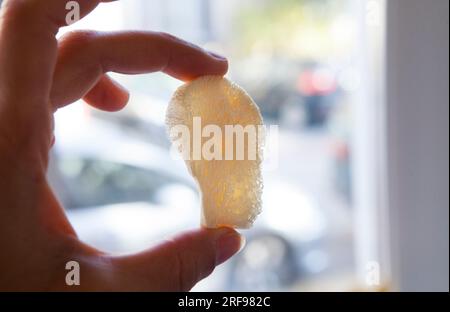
(123, 194)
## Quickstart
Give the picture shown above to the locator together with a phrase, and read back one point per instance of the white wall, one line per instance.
(418, 154)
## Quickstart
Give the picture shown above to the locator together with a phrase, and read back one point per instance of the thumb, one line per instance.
(181, 262)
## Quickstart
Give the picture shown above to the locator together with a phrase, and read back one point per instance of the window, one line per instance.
(303, 63)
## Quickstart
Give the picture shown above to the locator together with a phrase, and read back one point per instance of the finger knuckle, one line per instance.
(189, 267)
(171, 38)
(78, 38)
(180, 273)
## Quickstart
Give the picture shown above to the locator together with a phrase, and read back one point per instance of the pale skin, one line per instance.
(38, 75)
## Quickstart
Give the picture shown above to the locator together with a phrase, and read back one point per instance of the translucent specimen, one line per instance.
(219, 131)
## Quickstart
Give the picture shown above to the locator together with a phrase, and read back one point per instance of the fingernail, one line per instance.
(217, 56)
(228, 243)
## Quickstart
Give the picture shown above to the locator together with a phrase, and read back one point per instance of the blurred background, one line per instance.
(315, 70)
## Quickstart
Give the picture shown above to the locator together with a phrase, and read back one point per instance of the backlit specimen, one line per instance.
(219, 131)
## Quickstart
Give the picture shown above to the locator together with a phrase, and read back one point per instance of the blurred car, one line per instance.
(123, 194)
(317, 85)
(114, 185)
(280, 83)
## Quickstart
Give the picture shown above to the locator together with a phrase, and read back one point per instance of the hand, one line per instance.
(38, 75)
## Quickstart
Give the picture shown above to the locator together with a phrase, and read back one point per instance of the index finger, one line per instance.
(85, 56)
